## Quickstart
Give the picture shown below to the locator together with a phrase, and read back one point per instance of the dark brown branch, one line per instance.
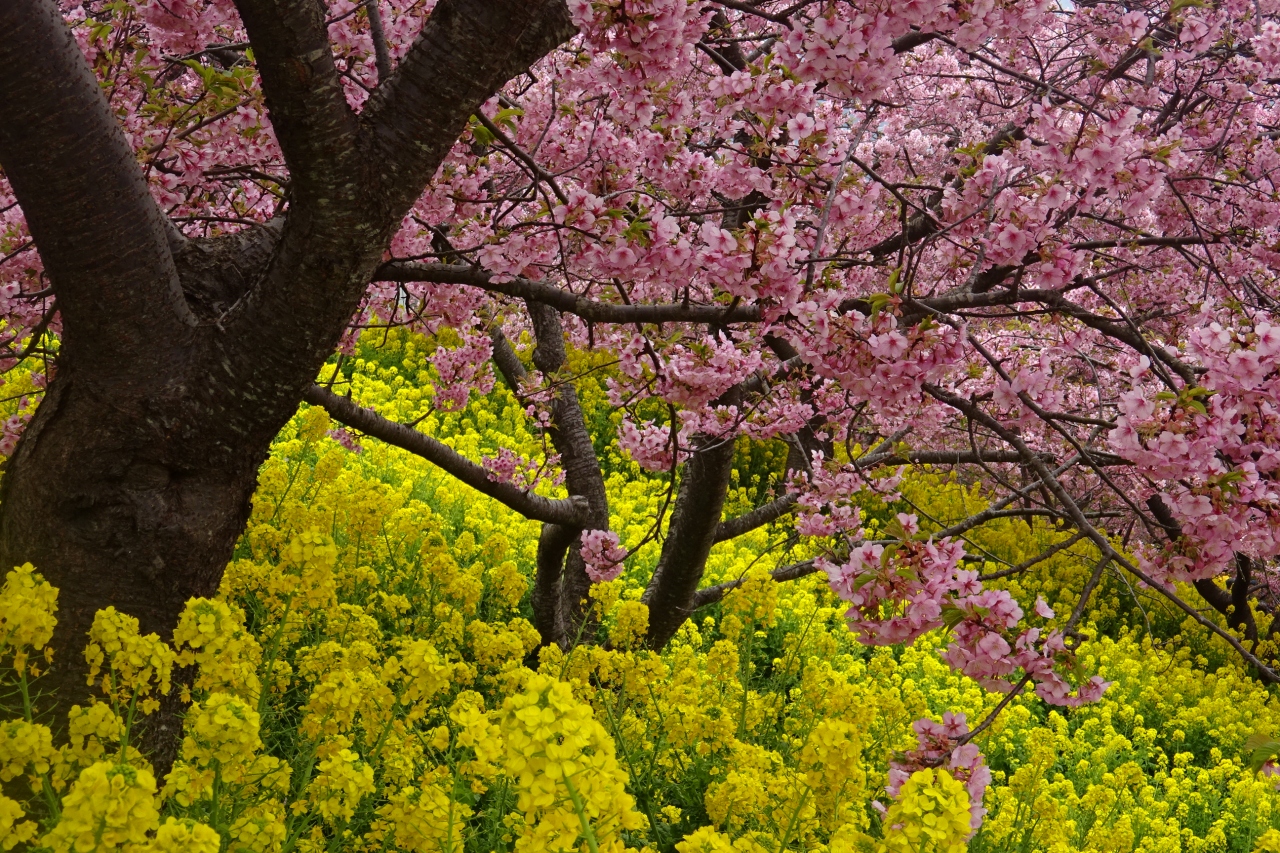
(523, 156)
(695, 521)
(772, 511)
(553, 546)
(466, 51)
(77, 179)
(582, 473)
(564, 300)
(565, 512)
(1055, 301)
(712, 594)
(910, 41)
(1039, 558)
(914, 311)
(352, 179)
(1146, 241)
(732, 528)
(317, 131)
(750, 9)
(1072, 509)
(508, 363)
(381, 53)
(1233, 603)
(941, 457)
(923, 225)
(1119, 330)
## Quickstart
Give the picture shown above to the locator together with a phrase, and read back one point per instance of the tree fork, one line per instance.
(182, 359)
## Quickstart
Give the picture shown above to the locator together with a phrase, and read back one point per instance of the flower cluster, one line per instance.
(564, 768)
(132, 667)
(931, 814)
(901, 590)
(27, 608)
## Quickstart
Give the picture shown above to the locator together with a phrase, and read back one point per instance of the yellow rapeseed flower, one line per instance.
(109, 806)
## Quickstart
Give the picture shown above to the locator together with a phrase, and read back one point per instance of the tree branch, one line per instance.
(1232, 604)
(695, 521)
(1039, 558)
(466, 51)
(317, 131)
(564, 512)
(553, 545)
(583, 477)
(732, 528)
(940, 457)
(1072, 509)
(509, 364)
(381, 53)
(564, 300)
(712, 594)
(523, 156)
(96, 226)
(353, 180)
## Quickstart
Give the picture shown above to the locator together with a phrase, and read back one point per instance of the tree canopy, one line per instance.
(1033, 241)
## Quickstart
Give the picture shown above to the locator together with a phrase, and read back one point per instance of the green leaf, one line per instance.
(1259, 749)
(907, 573)
(888, 555)
(507, 117)
(638, 231)
(862, 580)
(878, 302)
(952, 615)
(480, 133)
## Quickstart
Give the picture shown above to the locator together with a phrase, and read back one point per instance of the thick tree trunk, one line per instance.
(125, 497)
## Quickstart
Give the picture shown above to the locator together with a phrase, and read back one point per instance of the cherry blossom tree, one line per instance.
(1033, 240)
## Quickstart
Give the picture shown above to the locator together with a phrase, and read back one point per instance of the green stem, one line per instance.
(791, 824)
(582, 816)
(28, 714)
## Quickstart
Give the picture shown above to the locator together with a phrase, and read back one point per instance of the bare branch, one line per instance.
(712, 594)
(564, 300)
(317, 130)
(564, 512)
(522, 155)
(381, 53)
(467, 50)
(732, 528)
(1039, 558)
(1146, 241)
(940, 457)
(508, 363)
(970, 409)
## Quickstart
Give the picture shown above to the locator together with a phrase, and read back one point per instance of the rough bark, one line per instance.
(582, 476)
(695, 521)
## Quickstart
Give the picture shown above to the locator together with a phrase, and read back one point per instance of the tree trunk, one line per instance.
(123, 496)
